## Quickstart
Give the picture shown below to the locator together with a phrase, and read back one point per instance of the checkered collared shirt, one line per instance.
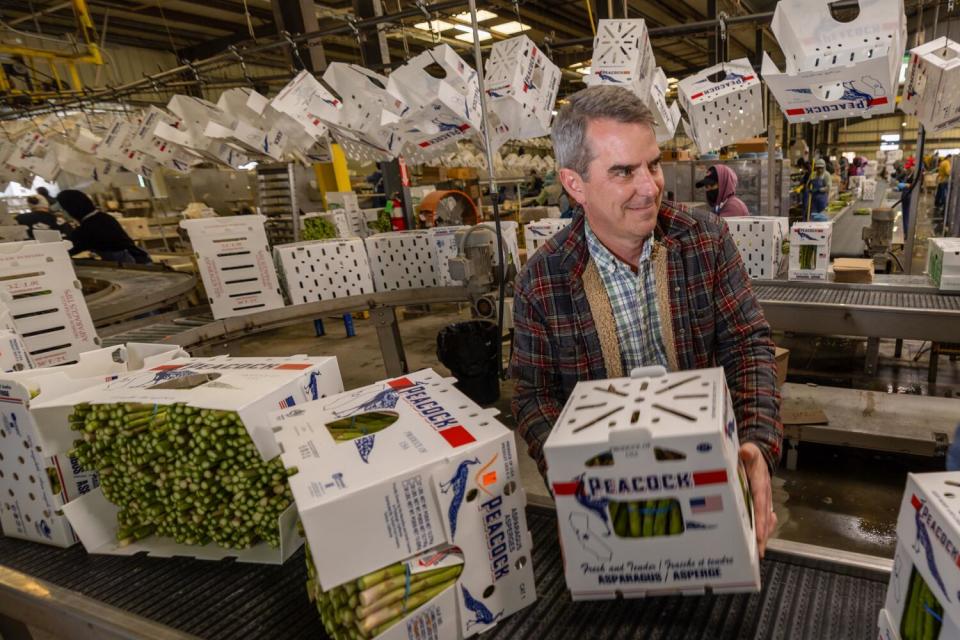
(633, 299)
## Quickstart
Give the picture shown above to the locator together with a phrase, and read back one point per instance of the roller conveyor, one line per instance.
(804, 597)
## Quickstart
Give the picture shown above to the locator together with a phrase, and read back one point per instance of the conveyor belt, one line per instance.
(128, 292)
(802, 599)
(857, 297)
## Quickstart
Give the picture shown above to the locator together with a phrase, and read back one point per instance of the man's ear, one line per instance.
(573, 184)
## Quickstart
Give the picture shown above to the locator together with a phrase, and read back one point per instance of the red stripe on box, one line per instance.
(875, 101)
(564, 488)
(696, 95)
(457, 436)
(709, 477)
(747, 78)
(400, 383)
(915, 501)
(293, 367)
(794, 112)
(167, 367)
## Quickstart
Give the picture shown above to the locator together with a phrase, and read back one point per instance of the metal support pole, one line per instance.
(391, 344)
(772, 173)
(492, 180)
(909, 233)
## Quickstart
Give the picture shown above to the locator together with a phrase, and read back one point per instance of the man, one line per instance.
(720, 186)
(636, 281)
(40, 217)
(99, 232)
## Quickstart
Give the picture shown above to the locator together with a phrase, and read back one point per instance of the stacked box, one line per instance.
(536, 234)
(511, 241)
(723, 105)
(245, 390)
(402, 260)
(235, 264)
(836, 69)
(34, 483)
(445, 247)
(46, 301)
(415, 473)
(810, 250)
(650, 493)
(923, 598)
(760, 241)
(521, 84)
(324, 269)
(933, 81)
(943, 263)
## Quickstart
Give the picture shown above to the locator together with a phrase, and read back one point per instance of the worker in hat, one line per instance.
(720, 185)
(816, 192)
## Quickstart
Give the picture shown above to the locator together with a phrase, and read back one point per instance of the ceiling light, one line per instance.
(437, 26)
(509, 28)
(482, 16)
(468, 36)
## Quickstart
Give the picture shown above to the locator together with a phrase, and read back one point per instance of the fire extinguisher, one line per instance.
(395, 209)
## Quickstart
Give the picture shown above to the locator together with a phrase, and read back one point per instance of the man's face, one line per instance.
(622, 190)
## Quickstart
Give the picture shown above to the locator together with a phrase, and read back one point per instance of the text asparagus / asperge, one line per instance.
(190, 474)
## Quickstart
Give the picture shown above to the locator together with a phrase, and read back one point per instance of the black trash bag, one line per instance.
(469, 350)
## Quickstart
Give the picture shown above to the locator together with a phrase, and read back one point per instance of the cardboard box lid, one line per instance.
(853, 265)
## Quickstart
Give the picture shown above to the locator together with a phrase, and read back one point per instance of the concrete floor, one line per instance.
(838, 497)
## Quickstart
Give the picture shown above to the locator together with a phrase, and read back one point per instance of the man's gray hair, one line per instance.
(570, 144)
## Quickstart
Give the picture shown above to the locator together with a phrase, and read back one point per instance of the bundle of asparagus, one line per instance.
(368, 606)
(178, 471)
(922, 614)
(646, 519)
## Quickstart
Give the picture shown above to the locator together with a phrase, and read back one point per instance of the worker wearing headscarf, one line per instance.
(40, 217)
(720, 185)
(817, 191)
(99, 232)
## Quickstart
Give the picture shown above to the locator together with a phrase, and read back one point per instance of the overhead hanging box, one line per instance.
(932, 89)
(444, 110)
(836, 69)
(623, 56)
(309, 103)
(521, 85)
(199, 118)
(723, 105)
(170, 155)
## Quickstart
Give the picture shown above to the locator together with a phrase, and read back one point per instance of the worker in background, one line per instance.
(943, 182)
(720, 185)
(45, 194)
(40, 217)
(816, 192)
(99, 232)
(637, 281)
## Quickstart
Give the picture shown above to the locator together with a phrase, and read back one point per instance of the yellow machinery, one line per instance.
(90, 54)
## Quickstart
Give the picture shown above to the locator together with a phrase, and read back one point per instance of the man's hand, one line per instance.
(764, 519)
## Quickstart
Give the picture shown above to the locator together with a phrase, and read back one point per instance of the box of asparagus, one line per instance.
(425, 488)
(923, 598)
(649, 489)
(34, 484)
(187, 461)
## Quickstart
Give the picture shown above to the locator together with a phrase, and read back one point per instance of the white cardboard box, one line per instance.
(928, 539)
(760, 241)
(46, 302)
(253, 387)
(402, 260)
(536, 234)
(309, 103)
(885, 627)
(324, 269)
(235, 264)
(445, 472)
(521, 84)
(722, 110)
(667, 437)
(444, 241)
(943, 263)
(34, 482)
(511, 241)
(932, 85)
(810, 234)
(836, 69)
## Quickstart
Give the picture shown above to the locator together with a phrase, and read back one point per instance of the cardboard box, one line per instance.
(928, 535)
(752, 145)
(782, 356)
(760, 241)
(943, 263)
(402, 260)
(46, 301)
(665, 442)
(253, 387)
(235, 264)
(36, 482)
(435, 470)
(853, 270)
(536, 234)
(522, 85)
(445, 246)
(324, 269)
(810, 250)
(675, 154)
(885, 627)
(723, 104)
(933, 79)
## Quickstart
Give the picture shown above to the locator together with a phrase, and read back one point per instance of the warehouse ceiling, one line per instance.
(195, 30)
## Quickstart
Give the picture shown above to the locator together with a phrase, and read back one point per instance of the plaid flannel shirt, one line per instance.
(638, 325)
(716, 320)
